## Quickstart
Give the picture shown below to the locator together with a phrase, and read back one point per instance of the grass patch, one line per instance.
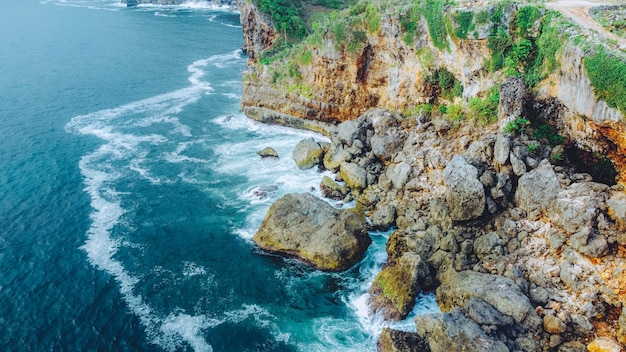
(607, 73)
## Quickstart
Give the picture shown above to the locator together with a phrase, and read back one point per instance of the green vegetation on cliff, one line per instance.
(607, 74)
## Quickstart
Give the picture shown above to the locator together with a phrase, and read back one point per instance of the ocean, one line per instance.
(130, 190)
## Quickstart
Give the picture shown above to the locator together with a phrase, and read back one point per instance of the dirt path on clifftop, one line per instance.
(578, 11)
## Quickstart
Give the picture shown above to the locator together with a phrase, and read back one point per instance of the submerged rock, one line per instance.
(306, 227)
(268, 152)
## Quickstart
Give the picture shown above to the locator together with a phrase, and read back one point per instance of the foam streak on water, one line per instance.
(101, 171)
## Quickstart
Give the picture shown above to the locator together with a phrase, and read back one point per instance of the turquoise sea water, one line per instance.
(130, 190)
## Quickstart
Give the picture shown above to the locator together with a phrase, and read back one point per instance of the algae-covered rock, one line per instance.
(307, 154)
(401, 341)
(333, 190)
(465, 194)
(268, 152)
(305, 227)
(394, 289)
(353, 175)
(453, 331)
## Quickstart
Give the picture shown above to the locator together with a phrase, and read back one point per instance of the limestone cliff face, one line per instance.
(384, 71)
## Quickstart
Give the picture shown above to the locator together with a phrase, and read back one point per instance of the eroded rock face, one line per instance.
(454, 331)
(465, 194)
(538, 189)
(258, 33)
(401, 341)
(303, 226)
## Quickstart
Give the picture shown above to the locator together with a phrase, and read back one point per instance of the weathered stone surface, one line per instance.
(401, 341)
(553, 324)
(500, 292)
(395, 287)
(617, 208)
(398, 174)
(538, 189)
(513, 95)
(384, 217)
(485, 314)
(454, 331)
(519, 167)
(575, 208)
(267, 152)
(465, 194)
(333, 190)
(353, 175)
(308, 228)
(307, 154)
(501, 149)
(572, 346)
(487, 247)
(621, 333)
(603, 344)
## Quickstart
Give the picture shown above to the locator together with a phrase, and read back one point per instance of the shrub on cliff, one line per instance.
(607, 73)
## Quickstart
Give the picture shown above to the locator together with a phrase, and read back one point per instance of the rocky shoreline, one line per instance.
(516, 217)
(524, 255)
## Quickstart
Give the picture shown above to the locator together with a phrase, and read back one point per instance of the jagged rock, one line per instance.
(465, 194)
(307, 154)
(353, 175)
(258, 34)
(538, 296)
(485, 314)
(395, 287)
(401, 341)
(576, 208)
(501, 192)
(572, 346)
(487, 247)
(308, 228)
(333, 190)
(622, 326)
(384, 217)
(267, 152)
(388, 135)
(603, 344)
(513, 96)
(581, 325)
(348, 131)
(398, 174)
(336, 155)
(538, 189)
(454, 331)
(553, 324)
(500, 292)
(501, 149)
(617, 208)
(519, 167)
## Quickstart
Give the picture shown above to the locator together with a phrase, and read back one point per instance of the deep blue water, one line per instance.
(128, 192)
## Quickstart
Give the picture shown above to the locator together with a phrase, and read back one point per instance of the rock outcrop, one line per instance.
(310, 229)
(500, 213)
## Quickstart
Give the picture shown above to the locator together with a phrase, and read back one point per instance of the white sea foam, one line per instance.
(126, 148)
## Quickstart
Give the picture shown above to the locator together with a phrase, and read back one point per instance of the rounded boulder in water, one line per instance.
(306, 227)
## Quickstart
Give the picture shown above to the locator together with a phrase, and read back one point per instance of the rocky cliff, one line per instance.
(491, 138)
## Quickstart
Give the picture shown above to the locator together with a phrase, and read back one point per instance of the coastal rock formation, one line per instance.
(267, 152)
(307, 154)
(504, 198)
(303, 226)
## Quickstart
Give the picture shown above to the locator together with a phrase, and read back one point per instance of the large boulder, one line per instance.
(307, 154)
(306, 227)
(353, 175)
(465, 194)
(333, 190)
(537, 190)
(463, 288)
(513, 97)
(454, 331)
